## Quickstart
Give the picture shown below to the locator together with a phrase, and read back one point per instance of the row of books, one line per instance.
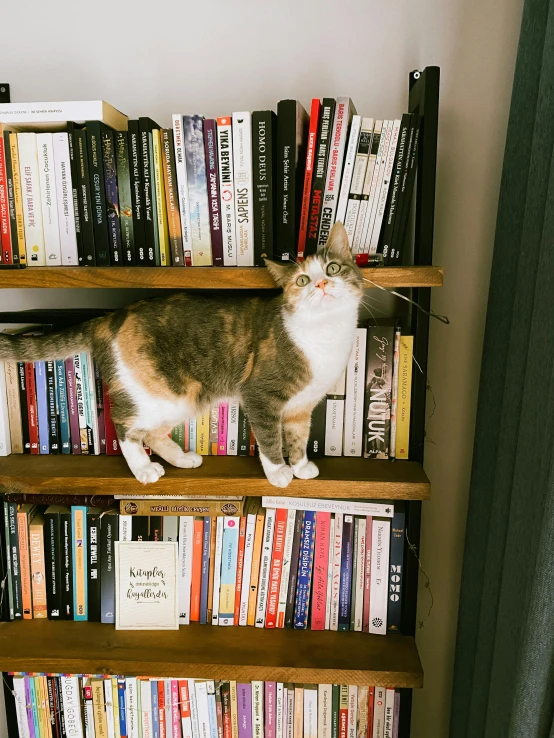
(289, 563)
(230, 191)
(52, 407)
(139, 707)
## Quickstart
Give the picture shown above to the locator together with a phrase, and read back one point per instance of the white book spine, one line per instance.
(32, 208)
(389, 713)
(267, 547)
(212, 711)
(217, 568)
(91, 396)
(290, 713)
(131, 707)
(49, 199)
(360, 575)
(64, 190)
(71, 701)
(358, 178)
(244, 210)
(285, 571)
(186, 721)
(192, 434)
(351, 507)
(167, 700)
(324, 710)
(233, 428)
(186, 530)
(279, 710)
(330, 573)
(378, 595)
(379, 713)
(354, 402)
(257, 709)
(193, 710)
(227, 190)
(61, 112)
(352, 710)
(394, 393)
(334, 417)
(5, 437)
(310, 712)
(348, 169)
(14, 406)
(285, 710)
(182, 186)
(247, 568)
(21, 707)
(170, 528)
(125, 528)
(376, 182)
(80, 399)
(335, 585)
(365, 206)
(384, 191)
(202, 711)
(146, 708)
(108, 700)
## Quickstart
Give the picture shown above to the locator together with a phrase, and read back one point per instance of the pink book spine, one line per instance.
(175, 712)
(367, 578)
(270, 695)
(186, 425)
(321, 566)
(222, 429)
(72, 407)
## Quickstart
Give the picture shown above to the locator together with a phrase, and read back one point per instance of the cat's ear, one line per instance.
(338, 241)
(281, 273)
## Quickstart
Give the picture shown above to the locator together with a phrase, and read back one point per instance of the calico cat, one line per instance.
(169, 358)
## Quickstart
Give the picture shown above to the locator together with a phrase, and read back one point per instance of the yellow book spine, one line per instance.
(41, 705)
(99, 707)
(254, 572)
(234, 711)
(47, 713)
(18, 199)
(298, 724)
(115, 700)
(203, 434)
(404, 397)
(163, 233)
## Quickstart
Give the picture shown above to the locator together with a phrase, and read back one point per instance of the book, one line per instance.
(186, 537)
(126, 202)
(336, 544)
(47, 113)
(348, 168)
(5, 437)
(255, 569)
(294, 567)
(358, 574)
(49, 199)
(212, 175)
(160, 200)
(397, 535)
(228, 571)
(6, 565)
(23, 407)
(66, 205)
(352, 710)
(376, 183)
(109, 534)
(311, 146)
(379, 712)
(146, 126)
(12, 551)
(242, 171)
(378, 391)
(247, 568)
(354, 400)
(408, 181)
(320, 571)
(80, 562)
(198, 190)
(182, 188)
(358, 178)
(137, 187)
(345, 590)
(348, 507)
(202, 506)
(240, 567)
(394, 392)
(38, 571)
(25, 515)
(264, 142)
(12, 161)
(305, 569)
(9, 252)
(269, 709)
(66, 563)
(102, 240)
(316, 440)
(218, 553)
(52, 407)
(227, 190)
(327, 114)
(276, 565)
(395, 186)
(404, 397)
(330, 573)
(381, 201)
(334, 417)
(63, 407)
(32, 207)
(292, 135)
(368, 189)
(42, 407)
(380, 543)
(32, 412)
(84, 194)
(53, 561)
(286, 567)
(265, 563)
(206, 535)
(74, 194)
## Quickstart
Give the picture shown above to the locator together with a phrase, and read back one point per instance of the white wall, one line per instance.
(214, 57)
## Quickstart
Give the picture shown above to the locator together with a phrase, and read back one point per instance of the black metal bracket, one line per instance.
(4, 92)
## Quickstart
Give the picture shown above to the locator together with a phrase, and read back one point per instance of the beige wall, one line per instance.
(173, 56)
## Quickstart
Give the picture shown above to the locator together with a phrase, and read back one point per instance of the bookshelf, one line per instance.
(247, 653)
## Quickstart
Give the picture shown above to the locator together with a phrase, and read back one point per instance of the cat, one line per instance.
(169, 358)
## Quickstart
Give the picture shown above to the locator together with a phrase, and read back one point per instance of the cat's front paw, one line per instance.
(150, 472)
(190, 460)
(280, 477)
(308, 470)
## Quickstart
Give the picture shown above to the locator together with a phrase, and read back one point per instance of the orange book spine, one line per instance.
(25, 566)
(38, 571)
(161, 708)
(196, 582)
(240, 567)
(213, 531)
(255, 572)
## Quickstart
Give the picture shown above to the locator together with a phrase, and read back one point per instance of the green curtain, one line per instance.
(504, 669)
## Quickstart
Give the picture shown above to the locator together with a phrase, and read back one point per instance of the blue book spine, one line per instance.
(229, 556)
(205, 570)
(61, 390)
(345, 587)
(155, 710)
(79, 546)
(35, 703)
(212, 710)
(42, 407)
(398, 531)
(305, 569)
(121, 703)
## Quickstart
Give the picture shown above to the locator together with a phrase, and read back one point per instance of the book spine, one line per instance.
(218, 554)
(53, 565)
(98, 388)
(310, 712)
(334, 417)
(227, 190)
(109, 534)
(264, 124)
(112, 442)
(244, 434)
(321, 564)
(184, 709)
(346, 573)
(5, 438)
(286, 570)
(147, 181)
(398, 531)
(358, 178)
(381, 202)
(320, 173)
(198, 190)
(12, 541)
(276, 565)
(222, 429)
(211, 573)
(354, 401)
(32, 413)
(376, 183)
(244, 695)
(38, 570)
(212, 175)
(172, 199)
(6, 241)
(112, 198)
(134, 150)
(74, 174)
(404, 397)
(32, 206)
(161, 210)
(53, 410)
(25, 564)
(247, 568)
(294, 565)
(80, 555)
(379, 712)
(14, 408)
(6, 563)
(389, 713)
(335, 591)
(368, 188)
(394, 393)
(240, 570)
(23, 407)
(352, 710)
(378, 389)
(124, 189)
(269, 712)
(182, 186)
(196, 569)
(255, 571)
(348, 169)
(257, 709)
(265, 562)
(242, 165)
(17, 232)
(403, 148)
(407, 192)
(83, 180)
(49, 197)
(42, 407)
(330, 573)
(232, 428)
(66, 210)
(72, 711)
(66, 556)
(305, 570)
(316, 440)
(379, 576)
(315, 111)
(98, 193)
(396, 716)
(205, 569)
(63, 408)
(89, 397)
(358, 575)
(228, 571)
(74, 416)
(367, 573)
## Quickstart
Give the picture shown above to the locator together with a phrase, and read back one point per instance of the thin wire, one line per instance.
(443, 318)
(413, 550)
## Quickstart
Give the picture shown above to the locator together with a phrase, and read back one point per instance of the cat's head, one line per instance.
(326, 282)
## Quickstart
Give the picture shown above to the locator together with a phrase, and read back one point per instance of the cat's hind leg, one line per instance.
(160, 443)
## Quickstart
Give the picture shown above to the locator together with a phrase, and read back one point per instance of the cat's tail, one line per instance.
(54, 346)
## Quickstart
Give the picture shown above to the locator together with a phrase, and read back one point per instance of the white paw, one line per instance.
(306, 471)
(150, 473)
(280, 477)
(189, 460)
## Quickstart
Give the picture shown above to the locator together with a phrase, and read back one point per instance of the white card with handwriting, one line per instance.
(146, 583)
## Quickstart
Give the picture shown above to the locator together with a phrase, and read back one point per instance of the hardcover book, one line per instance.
(264, 143)
(378, 391)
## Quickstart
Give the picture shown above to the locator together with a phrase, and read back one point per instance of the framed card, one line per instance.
(146, 584)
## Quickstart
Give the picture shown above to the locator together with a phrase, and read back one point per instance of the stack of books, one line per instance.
(230, 191)
(99, 705)
(278, 562)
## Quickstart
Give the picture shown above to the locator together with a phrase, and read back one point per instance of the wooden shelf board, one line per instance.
(108, 475)
(206, 278)
(207, 652)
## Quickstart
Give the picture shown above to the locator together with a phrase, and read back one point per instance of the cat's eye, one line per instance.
(333, 268)
(302, 280)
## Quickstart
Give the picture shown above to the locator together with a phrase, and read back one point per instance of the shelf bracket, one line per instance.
(4, 92)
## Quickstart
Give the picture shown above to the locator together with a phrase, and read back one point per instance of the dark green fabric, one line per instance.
(504, 670)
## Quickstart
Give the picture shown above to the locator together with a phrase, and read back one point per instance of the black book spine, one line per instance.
(112, 197)
(264, 144)
(52, 402)
(156, 528)
(316, 440)
(140, 528)
(244, 434)
(400, 232)
(93, 528)
(74, 165)
(109, 533)
(4, 569)
(98, 191)
(125, 197)
(66, 565)
(396, 574)
(57, 710)
(320, 173)
(136, 191)
(293, 577)
(52, 556)
(212, 180)
(11, 199)
(395, 187)
(23, 407)
(145, 128)
(14, 558)
(85, 197)
(51, 695)
(59, 707)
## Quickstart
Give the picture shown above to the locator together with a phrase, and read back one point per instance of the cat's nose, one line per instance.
(322, 283)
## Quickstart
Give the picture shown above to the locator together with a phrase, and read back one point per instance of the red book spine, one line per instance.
(370, 709)
(184, 699)
(276, 568)
(252, 448)
(367, 577)
(161, 707)
(5, 238)
(226, 705)
(32, 406)
(307, 191)
(343, 722)
(321, 566)
(196, 583)
(240, 568)
(112, 441)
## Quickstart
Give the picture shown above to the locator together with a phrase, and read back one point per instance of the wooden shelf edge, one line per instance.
(206, 278)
